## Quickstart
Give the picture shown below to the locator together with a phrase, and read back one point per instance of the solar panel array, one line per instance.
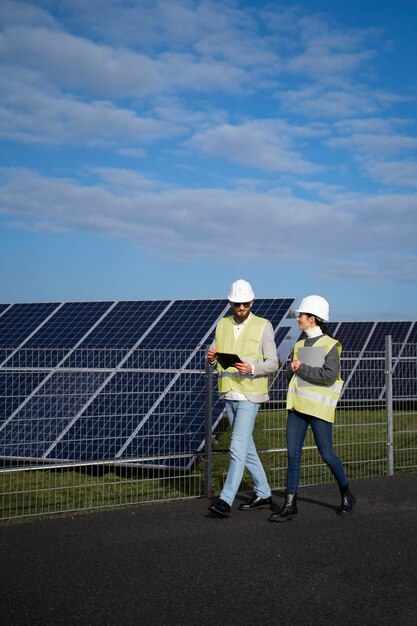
(94, 381)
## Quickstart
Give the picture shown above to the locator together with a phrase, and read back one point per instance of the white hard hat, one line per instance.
(315, 305)
(241, 291)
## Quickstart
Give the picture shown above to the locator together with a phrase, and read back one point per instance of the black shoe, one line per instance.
(220, 507)
(256, 503)
(288, 512)
(348, 500)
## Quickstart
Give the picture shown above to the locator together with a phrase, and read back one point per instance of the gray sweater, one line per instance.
(325, 375)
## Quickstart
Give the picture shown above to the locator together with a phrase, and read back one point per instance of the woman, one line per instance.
(314, 389)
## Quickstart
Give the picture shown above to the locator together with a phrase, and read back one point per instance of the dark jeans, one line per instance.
(297, 424)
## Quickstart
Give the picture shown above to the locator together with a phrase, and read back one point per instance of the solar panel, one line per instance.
(125, 324)
(281, 334)
(354, 335)
(412, 338)
(18, 322)
(46, 414)
(397, 330)
(187, 323)
(123, 327)
(15, 385)
(175, 426)
(61, 332)
(4, 307)
(404, 383)
(68, 325)
(367, 381)
(110, 380)
(272, 309)
(110, 419)
(184, 324)
(279, 385)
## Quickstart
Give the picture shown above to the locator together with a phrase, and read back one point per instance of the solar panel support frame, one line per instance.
(389, 405)
(208, 437)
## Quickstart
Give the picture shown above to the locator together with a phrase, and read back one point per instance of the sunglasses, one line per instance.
(238, 304)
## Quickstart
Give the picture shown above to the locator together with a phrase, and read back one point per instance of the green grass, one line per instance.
(360, 441)
(45, 492)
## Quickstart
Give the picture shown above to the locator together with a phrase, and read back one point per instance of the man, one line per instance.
(244, 386)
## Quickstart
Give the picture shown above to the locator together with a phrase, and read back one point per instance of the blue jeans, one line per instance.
(297, 424)
(241, 415)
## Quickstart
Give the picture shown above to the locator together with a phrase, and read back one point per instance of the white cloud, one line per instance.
(186, 222)
(132, 152)
(376, 144)
(263, 144)
(372, 139)
(372, 270)
(393, 172)
(328, 53)
(335, 270)
(374, 136)
(323, 190)
(209, 29)
(122, 181)
(371, 125)
(73, 62)
(13, 12)
(403, 266)
(28, 114)
(349, 100)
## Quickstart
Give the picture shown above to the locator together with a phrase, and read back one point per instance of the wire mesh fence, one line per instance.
(92, 428)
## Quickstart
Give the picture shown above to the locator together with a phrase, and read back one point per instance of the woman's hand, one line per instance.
(295, 365)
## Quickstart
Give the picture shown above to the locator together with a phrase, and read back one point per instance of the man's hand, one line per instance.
(243, 368)
(211, 354)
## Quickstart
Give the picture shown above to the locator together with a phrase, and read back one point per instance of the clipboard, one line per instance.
(227, 359)
(312, 355)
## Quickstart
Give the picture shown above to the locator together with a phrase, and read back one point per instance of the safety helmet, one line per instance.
(315, 305)
(241, 291)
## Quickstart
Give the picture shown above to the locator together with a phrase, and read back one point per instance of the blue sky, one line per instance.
(162, 149)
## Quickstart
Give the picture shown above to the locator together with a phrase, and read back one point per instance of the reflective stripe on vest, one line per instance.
(247, 346)
(317, 400)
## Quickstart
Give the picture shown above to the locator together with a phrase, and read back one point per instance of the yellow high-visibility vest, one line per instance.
(316, 400)
(247, 346)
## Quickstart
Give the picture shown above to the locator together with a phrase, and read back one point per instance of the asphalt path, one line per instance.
(175, 563)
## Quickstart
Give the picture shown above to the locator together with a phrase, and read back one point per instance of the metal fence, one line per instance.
(104, 428)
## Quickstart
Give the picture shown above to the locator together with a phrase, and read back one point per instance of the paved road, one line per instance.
(173, 563)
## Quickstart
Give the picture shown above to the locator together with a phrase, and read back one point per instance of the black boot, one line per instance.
(288, 511)
(348, 500)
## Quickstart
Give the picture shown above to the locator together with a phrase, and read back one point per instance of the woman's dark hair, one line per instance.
(322, 325)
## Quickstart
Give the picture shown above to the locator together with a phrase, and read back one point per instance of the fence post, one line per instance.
(208, 448)
(389, 408)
